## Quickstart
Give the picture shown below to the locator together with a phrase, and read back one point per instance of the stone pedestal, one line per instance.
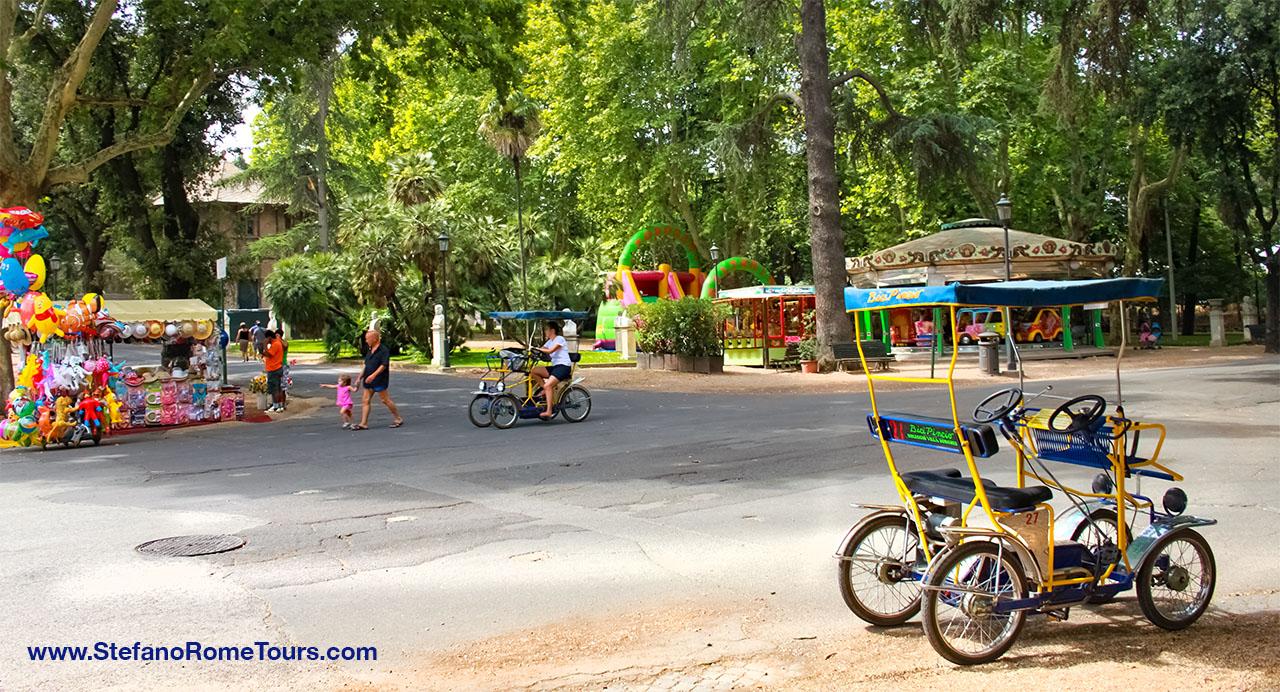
(1217, 330)
(570, 333)
(1248, 315)
(624, 334)
(437, 336)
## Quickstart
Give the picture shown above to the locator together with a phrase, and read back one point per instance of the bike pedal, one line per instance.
(1059, 615)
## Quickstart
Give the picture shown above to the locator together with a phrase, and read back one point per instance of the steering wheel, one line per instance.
(1081, 417)
(997, 406)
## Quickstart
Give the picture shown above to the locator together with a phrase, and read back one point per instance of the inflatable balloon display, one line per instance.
(35, 271)
(12, 277)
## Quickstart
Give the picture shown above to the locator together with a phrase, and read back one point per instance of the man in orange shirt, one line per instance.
(273, 363)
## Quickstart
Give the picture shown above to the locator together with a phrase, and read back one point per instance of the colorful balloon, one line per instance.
(13, 279)
(94, 301)
(35, 271)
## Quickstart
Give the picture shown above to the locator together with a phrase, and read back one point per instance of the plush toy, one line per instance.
(45, 422)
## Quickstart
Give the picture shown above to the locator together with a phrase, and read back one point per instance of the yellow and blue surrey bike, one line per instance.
(508, 390)
(978, 558)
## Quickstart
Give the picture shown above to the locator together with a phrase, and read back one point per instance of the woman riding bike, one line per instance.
(561, 367)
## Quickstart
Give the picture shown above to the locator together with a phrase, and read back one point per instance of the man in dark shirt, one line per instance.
(376, 378)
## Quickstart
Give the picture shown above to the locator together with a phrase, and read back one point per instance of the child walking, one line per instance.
(344, 398)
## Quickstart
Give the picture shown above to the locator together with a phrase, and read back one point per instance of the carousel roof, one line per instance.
(973, 250)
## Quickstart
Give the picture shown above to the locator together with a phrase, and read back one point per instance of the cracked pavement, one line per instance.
(428, 537)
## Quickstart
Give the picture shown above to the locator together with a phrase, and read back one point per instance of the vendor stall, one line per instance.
(763, 321)
(70, 387)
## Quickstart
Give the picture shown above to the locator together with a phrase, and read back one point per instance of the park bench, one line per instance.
(791, 359)
(846, 354)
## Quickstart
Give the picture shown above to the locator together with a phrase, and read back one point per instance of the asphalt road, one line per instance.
(415, 539)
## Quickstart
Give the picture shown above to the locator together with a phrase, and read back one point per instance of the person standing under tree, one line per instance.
(273, 363)
(242, 338)
(376, 378)
(259, 336)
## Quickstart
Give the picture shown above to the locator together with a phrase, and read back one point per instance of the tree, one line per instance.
(510, 127)
(1227, 95)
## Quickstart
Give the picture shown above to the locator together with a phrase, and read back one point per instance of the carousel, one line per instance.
(972, 251)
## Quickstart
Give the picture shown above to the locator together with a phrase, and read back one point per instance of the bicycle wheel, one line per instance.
(875, 571)
(478, 411)
(1176, 580)
(575, 404)
(962, 625)
(504, 411)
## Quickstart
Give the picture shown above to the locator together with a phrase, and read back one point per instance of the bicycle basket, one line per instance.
(516, 361)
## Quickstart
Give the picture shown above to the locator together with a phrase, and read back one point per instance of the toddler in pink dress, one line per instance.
(344, 398)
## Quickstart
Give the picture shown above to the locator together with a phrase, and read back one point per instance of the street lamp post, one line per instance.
(1005, 209)
(54, 265)
(443, 240)
(715, 254)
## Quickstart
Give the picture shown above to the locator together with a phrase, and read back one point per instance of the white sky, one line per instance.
(241, 136)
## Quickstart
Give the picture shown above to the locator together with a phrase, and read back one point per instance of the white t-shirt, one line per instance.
(560, 356)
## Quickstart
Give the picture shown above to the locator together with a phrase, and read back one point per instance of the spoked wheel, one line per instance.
(1102, 529)
(875, 571)
(478, 411)
(1176, 580)
(576, 404)
(504, 411)
(962, 625)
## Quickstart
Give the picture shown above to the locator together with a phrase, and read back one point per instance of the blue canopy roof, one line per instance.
(539, 315)
(1007, 294)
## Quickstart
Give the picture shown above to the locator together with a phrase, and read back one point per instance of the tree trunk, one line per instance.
(826, 238)
(325, 88)
(1273, 303)
(1189, 298)
(181, 221)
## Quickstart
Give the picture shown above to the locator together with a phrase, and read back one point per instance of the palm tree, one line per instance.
(510, 128)
(414, 180)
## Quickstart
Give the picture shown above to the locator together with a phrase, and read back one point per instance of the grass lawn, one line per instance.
(470, 359)
(1201, 340)
(476, 359)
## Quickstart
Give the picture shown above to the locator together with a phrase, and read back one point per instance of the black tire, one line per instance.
(97, 439)
(966, 340)
(1038, 338)
(575, 404)
(1178, 563)
(504, 411)
(478, 411)
(882, 543)
(1107, 528)
(977, 566)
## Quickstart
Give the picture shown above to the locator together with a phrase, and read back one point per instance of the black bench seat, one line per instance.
(950, 485)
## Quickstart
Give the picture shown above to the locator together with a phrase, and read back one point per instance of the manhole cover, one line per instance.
(188, 546)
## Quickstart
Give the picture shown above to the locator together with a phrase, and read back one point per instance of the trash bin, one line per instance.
(989, 353)
(1258, 332)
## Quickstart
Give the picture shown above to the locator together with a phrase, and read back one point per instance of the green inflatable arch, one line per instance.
(658, 231)
(734, 264)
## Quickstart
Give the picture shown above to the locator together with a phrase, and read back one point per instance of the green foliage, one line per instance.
(686, 327)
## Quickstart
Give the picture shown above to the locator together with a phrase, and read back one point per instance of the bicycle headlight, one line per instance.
(1175, 500)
